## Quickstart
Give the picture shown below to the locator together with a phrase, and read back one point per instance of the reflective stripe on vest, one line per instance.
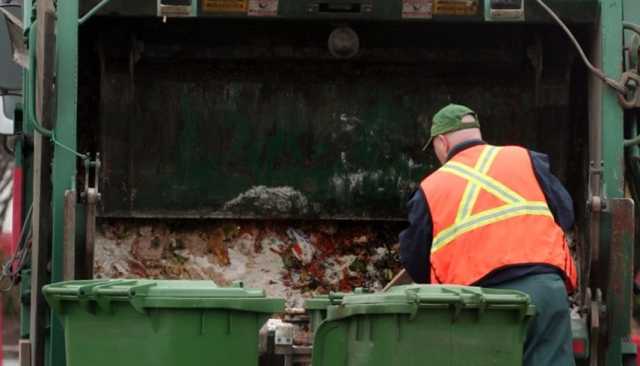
(477, 179)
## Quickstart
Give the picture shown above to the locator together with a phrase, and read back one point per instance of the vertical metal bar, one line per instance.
(593, 276)
(612, 114)
(42, 178)
(64, 162)
(25, 288)
(621, 219)
(90, 232)
(69, 267)
(613, 175)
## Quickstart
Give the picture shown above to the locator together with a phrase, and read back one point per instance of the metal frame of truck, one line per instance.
(52, 173)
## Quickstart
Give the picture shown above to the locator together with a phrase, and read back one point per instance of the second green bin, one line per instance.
(419, 325)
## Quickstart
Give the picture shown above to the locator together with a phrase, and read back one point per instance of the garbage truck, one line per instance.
(275, 142)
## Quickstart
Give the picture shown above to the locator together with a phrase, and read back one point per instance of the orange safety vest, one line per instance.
(490, 213)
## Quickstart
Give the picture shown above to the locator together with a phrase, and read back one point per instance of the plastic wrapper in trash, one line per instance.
(302, 248)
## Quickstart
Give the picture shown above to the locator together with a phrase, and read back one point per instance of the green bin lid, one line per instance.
(409, 298)
(143, 294)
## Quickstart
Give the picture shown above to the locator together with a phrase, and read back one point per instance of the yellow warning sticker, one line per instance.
(224, 6)
(455, 7)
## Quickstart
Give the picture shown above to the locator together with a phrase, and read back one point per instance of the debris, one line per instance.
(217, 246)
(302, 248)
(286, 259)
(284, 200)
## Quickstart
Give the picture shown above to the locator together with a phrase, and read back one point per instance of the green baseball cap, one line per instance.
(449, 119)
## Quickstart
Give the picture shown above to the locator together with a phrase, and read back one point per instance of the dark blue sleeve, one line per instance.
(558, 199)
(415, 241)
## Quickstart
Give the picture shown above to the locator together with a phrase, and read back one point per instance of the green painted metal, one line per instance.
(446, 325)
(30, 95)
(613, 158)
(192, 167)
(64, 162)
(612, 114)
(631, 11)
(632, 14)
(145, 323)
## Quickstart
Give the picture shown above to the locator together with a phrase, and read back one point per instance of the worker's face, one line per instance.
(441, 147)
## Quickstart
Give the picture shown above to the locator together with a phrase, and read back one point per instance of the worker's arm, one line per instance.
(558, 199)
(415, 241)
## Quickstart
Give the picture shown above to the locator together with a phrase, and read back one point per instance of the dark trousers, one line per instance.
(548, 341)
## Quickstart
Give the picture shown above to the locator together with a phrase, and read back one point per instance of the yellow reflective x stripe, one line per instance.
(472, 190)
(477, 179)
(487, 217)
(491, 185)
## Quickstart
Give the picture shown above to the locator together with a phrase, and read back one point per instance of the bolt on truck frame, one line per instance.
(197, 112)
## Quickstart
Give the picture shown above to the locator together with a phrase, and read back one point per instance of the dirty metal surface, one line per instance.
(618, 295)
(263, 123)
(293, 260)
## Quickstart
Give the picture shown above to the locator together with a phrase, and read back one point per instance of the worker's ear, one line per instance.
(444, 141)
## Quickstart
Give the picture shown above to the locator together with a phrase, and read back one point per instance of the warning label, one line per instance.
(224, 6)
(416, 9)
(455, 7)
(174, 11)
(263, 8)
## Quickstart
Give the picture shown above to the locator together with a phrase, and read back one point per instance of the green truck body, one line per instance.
(218, 119)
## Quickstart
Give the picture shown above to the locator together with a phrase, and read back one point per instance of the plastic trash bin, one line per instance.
(156, 322)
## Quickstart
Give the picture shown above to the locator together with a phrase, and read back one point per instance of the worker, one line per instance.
(495, 216)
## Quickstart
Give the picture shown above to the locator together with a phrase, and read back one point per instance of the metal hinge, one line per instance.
(596, 202)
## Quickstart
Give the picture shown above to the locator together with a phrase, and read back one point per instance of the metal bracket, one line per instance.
(631, 80)
(596, 202)
(92, 196)
(92, 193)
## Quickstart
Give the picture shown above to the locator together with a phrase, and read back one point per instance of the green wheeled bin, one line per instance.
(418, 325)
(159, 322)
(317, 306)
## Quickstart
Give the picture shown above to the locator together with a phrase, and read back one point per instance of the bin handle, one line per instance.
(101, 292)
(137, 295)
(81, 293)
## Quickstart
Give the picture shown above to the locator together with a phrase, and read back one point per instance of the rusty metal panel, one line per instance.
(620, 220)
(252, 120)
